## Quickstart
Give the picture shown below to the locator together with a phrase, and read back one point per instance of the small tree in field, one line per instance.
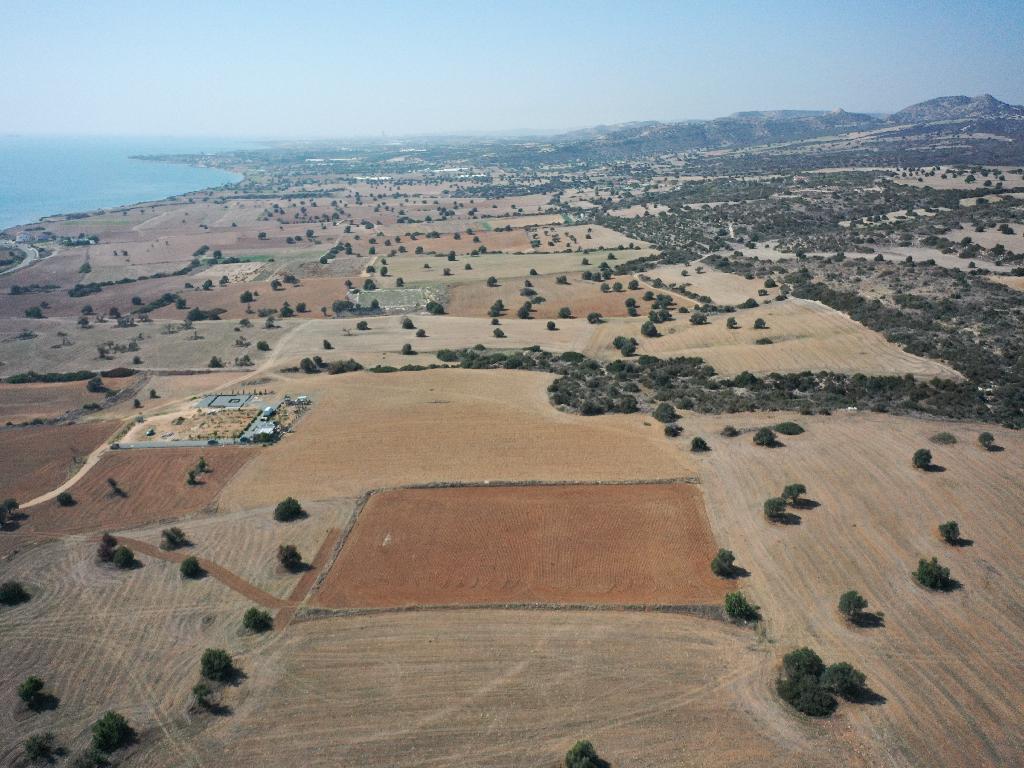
(792, 492)
(583, 755)
(765, 437)
(288, 510)
(173, 538)
(922, 458)
(723, 563)
(65, 499)
(13, 593)
(30, 692)
(852, 605)
(123, 557)
(738, 607)
(774, 508)
(7, 508)
(665, 413)
(289, 558)
(844, 679)
(190, 568)
(987, 440)
(257, 620)
(216, 664)
(105, 550)
(932, 575)
(950, 532)
(699, 445)
(111, 732)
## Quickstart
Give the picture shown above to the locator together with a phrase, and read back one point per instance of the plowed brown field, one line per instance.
(153, 481)
(596, 544)
(36, 459)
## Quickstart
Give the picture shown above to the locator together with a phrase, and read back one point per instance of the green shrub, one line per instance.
(738, 607)
(729, 431)
(288, 510)
(944, 438)
(123, 557)
(932, 575)
(699, 445)
(723, 563)
(852, 604)
(288, 556)
(30, 691)
(216, 664)
(806, 694)
(65, 499)
(173, 538)
(40, 747)
(789, 428)
(111, 732)
(257, 620)
(583, 755)
(922, 458)
(775, 508)
(950, 532)
(765, 437)
(792, 492)
(987, 440)
(844, 679)
(12, 593)
(665, 413)
(190, 568)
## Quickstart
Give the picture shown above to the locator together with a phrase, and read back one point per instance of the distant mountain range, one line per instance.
(979, 114)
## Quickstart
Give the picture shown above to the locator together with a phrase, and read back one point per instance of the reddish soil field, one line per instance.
(595, 544)
(36, 459)
(153, 481)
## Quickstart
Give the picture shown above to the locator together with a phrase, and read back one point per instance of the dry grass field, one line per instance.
(806, 336)
(949, 665)
(500, 265)
(36, 459)
(24, 402)
(370, 431)
(581, 296)
(594, 544)
(722, 287)
(153, 486)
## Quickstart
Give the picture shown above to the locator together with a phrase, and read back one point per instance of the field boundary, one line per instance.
(710, 612)
(365, 498)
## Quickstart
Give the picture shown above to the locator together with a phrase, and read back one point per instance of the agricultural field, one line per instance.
(589, 544)
(481, 537)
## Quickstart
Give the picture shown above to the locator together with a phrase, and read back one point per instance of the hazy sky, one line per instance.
(315, 68)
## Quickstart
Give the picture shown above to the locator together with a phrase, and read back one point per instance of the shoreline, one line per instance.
(12, 231)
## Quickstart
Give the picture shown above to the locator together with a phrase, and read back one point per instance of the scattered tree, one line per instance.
(792, 492)
(190, 568)
(852, 605)
(583, 755)
(723, 563)
(932, 575)
(40, 747)
(288, 510)
(775, 508)
(111, 732)
(289, 558)
(216, 664)
(257, 620)
(123, 557)
(950, 532)
(987, 440)
(699, 445)
(65, 499)
(922, 458)
(738, 607)
(13, 593)
(31, 692)
(765, 437)
(665, 413)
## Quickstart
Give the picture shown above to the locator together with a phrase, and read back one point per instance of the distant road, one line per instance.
(31, 255)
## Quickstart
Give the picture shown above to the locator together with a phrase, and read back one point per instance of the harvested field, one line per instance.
(37, 459)
(374, 431)
(581, 296)
(949, 665)
(806, 336)
(154, 487)
(722, 287)
(24, 402)
(487, 688)
(315, 292)
(500, 265)
(574, 544)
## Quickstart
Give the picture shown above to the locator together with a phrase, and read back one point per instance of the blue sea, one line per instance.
(46, 175)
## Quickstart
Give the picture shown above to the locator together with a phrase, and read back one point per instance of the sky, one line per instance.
(318, 69)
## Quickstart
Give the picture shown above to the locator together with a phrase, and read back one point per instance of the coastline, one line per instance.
(11, 230)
